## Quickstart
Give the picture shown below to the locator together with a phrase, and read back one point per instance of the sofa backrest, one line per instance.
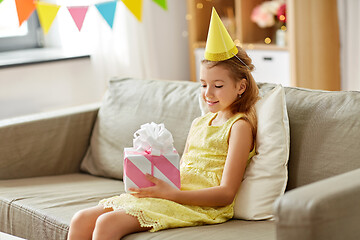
(324, 134)
(324, 126)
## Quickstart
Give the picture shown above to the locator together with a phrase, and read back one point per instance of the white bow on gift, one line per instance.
(153, 138)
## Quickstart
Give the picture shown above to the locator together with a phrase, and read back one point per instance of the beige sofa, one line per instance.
(42, 186)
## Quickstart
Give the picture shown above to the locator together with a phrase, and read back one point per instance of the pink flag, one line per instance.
(78, 14)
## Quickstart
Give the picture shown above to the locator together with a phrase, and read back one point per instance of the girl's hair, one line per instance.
(238, 71)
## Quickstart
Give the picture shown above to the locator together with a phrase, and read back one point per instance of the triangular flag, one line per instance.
(78, 14)
(219, 45)
(161, 3)
(47, 13)
(24, 9)
(135, 6)
(107, 10)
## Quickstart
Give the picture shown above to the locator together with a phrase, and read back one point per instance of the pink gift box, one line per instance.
(137, 164)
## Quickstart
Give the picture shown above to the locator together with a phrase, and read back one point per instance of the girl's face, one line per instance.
(218, 89)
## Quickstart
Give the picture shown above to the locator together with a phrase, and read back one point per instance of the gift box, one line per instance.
(152, 153)
(137, 164)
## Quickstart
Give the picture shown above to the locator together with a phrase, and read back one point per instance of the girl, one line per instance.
(216, 154)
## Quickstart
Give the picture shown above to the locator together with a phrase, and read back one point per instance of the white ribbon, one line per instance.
(154, 138)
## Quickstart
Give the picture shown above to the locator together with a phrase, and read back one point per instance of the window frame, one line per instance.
(31, 40)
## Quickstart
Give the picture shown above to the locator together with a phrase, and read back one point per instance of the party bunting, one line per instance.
(135, 6)
(78, 14)
(107, 10)
(161, 3)
(24, 9)
(47, 13)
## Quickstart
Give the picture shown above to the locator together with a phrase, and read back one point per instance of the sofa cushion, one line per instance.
(30, 208)
(41, 208)
(325, 130)
(127, 105)
(231, 230)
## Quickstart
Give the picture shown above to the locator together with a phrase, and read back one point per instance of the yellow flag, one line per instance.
(219, 45)
(47, 13)
(135, 6)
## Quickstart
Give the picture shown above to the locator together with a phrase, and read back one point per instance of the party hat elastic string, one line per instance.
(242, 61)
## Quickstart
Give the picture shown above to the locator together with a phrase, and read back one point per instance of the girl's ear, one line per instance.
(242, 86)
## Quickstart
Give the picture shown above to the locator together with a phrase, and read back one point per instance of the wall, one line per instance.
(41, 87)
(156, 47)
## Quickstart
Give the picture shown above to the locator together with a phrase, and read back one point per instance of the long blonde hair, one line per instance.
(238, 71)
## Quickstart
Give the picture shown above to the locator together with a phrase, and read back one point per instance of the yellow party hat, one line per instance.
(219, 45)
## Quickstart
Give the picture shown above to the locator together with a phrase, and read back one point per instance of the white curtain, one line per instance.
(349, 22)
(156, 48)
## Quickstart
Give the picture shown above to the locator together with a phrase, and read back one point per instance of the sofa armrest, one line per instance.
(328, 209)
(43, 144)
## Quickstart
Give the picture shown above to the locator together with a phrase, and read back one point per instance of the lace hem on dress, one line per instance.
(140, 214)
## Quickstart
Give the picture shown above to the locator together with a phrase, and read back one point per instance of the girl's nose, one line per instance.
(208, 92)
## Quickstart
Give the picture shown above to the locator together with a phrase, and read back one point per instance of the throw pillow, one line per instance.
(265, 178)
(127, 105)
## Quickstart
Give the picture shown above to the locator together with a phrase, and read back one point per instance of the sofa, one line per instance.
(43, 181)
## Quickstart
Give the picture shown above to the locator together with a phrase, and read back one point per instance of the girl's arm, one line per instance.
(240, 143)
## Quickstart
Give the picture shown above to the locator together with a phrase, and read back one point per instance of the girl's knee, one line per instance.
(77, 218)
(80, 216)
(115, 225)
(80, 225)
(87, 216)
(104, 223)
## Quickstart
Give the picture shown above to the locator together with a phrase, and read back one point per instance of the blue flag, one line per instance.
(107, 10)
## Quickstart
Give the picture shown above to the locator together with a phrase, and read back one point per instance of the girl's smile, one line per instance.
(210, 103)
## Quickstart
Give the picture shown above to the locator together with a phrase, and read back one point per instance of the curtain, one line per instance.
(349, 23)
(156, 48)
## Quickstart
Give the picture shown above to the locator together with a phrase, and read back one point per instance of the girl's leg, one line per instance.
(116, 224)
(83, 223)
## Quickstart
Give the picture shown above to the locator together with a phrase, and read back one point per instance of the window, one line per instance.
(13, 37)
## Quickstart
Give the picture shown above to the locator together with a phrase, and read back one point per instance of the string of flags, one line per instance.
(47, 11)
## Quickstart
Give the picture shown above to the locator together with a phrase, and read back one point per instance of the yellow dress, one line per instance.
(202, 167)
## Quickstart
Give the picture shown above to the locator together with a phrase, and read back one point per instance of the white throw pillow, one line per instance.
(266, 176)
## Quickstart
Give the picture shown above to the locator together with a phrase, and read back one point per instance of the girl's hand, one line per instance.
(160, 190)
